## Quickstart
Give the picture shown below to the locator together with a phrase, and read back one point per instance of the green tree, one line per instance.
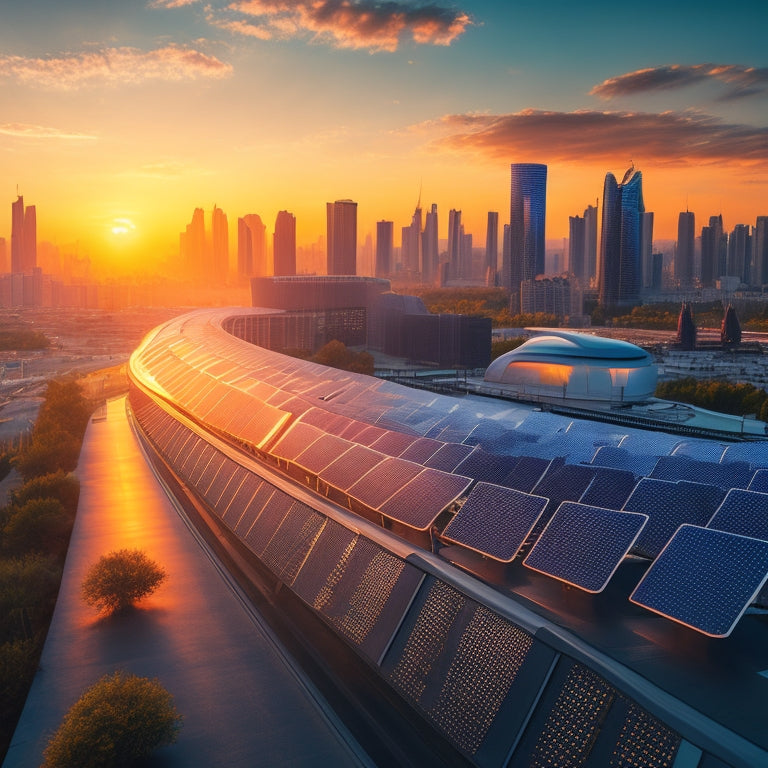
(28, 588)
(120, 719)
(63, 486)
(119, 579)
(39, 525)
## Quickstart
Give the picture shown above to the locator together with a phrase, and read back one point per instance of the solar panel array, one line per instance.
(410, 455)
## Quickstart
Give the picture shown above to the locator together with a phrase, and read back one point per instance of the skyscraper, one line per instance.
(284, 244)
(714, 251)
(739, 243)
(590, 243)
(646, 248)
(218, 266)
(527, 221)
(491, 244)
(23, 237)
(384, 248)
(342, 237)
(686, 237)
(455, 242)
(576, 243)
(411, 243)
(192, 245)
(244, 249)
(620, 243)
(430, 250)
(257, 262)
(760, 251)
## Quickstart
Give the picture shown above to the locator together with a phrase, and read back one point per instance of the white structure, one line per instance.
(574, 366)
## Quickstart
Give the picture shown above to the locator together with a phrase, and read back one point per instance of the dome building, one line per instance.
(559, 365)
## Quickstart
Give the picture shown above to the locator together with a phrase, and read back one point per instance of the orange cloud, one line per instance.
(171, 3)
(356, 24)
(671, 138)
(741, 81)
(113, 66)
(26, 131)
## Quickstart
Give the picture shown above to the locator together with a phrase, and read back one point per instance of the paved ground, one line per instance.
(242, 702)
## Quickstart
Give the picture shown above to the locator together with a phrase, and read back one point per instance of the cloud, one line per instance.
(113, 66)
(740, 81)
(27, 131)
(171, 3)
(356, 24)
(672, 138)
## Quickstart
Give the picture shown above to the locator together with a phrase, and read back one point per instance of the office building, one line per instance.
(527, 222)
(590, 243)
(430, 249)
(341, 218)
(714, 252)
(646, 248)
(384, 248)
(739, 243)
(410, 253)
(284, 244)
(217, 268)
(23, 237)
(455, 243)
(621, 241)
(760, 252)
(686, 237)
(576, 244)
(490, 265)
(192, 245)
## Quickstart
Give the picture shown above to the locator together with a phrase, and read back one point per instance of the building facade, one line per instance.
(284, 244)
(341, 237)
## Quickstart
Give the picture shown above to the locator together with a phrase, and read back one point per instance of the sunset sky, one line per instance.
(119, 117)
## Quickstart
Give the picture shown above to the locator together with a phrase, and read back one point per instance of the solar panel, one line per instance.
(703, 450)
(584, 545)
(737, 474)
(759, 481)
(621, 458)
(393, 443)
(495, 521)
(565, 483)
(704, 579)
(421, 449)
(668, 506)
(449, 456)
(351, 466)
(610, 488)
(384, 480)
(295, 440)
(487, 467)
(326, 449)
(528, 471)
(744, 513)
(420, 501)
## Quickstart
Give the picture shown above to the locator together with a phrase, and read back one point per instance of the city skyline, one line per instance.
(119, 120)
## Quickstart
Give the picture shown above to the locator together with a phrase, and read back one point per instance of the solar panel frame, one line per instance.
(688, 580)
(742, 512)
(383, 481)
(449, 456)
(348, 468)
(583, 546)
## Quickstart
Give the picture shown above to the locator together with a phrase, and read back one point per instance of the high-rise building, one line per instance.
(430, 248)
(739, 243)
(620, 243)
(384, 248)
(686, 237)
(4, 266)
(646, 248)
(342, 237)
(760, 251)
(590, 243)
(256, 261)
(455, 242)
(527, 222)
(192, 245)
(284, 244)
(576, 244)
(23, 237)
(490, 265)
(218, 266)
(714, 251)
(411, 243)
(244, 249)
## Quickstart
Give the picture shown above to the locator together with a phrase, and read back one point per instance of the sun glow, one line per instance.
(122, 227)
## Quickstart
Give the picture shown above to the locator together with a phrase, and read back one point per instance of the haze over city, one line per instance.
(120, 118)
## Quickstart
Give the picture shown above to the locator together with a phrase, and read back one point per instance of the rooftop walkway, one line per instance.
(242, 701)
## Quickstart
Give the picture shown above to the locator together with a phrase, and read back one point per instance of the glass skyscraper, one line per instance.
(621, 241)
(527, 218)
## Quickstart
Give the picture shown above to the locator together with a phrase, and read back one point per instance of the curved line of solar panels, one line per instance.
(496, 685)
(406, 460)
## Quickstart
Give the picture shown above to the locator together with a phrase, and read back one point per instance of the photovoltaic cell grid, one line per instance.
(287, 549)
(421, 449)
(704, 579)
(759, 481)
(610, 488)
(583, 546)
(295, 440)
(702, 450)
(486, 466)
(621, 458)
(421, 500)
(668, 506)
(495, 521)
(323, 451)
(744, 513)
(527, 472)
(737, 474)
(384, 480)
(393, 443)
(351, 466)
(565, 483)
(449, 456)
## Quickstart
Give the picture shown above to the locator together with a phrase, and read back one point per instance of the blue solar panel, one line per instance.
(420, 501)
(737, 474)
(621, 458)
(393, 443)
(584, 545)
(759, 481)
(742, 512)
(528, 471)
(668, 506)
(565, 483)
(610, 488)
(487, 467)
(495, 521)
(755, 453)
(704, 579)
(449, 456)
(703, 450)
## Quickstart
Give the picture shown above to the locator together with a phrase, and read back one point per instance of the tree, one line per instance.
(39, 525)
(120, 719)
(121, 578)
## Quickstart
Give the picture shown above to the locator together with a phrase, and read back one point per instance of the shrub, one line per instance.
(58, 485)
(117, 721)
(121, 578)
(39, 525)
